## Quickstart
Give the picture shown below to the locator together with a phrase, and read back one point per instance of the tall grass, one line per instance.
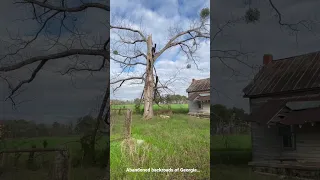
(44, 161)
(230, 155)
(231, 149)
(178, 142)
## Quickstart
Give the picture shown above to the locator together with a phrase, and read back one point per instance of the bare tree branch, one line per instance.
(80, 8)
(121, 81)
(130, 29)
(55, 56)
(15, 59)
(171, 42)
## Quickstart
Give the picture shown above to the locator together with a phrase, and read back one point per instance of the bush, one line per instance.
(137, 108)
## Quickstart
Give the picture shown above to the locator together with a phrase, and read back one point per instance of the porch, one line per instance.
(199, 114)
(288, 167)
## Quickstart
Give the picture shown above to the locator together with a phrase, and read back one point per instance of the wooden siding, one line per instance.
(194, 108)
(307, 144)
(205, 107)
(267, 144)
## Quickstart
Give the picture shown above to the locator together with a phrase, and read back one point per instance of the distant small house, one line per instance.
(284, 102)
(199, 97)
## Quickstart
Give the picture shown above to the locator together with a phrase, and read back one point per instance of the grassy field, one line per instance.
(76, 173)
(230, 156)
(241, 142)
(72, 142)
(176, 108)
(178, 142)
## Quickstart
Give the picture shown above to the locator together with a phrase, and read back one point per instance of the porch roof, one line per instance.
(267, 111)
(205, 95)
(287, 112)
(302, 116)
(202, 98)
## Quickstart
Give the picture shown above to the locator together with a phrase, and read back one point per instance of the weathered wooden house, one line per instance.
(284, 99)
(199, 97)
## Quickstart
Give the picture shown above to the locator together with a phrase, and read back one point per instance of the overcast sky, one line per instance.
(156, 17)
(263, 37)
(51, 96)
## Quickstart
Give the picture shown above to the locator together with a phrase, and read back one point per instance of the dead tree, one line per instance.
(134, 39)
(71, 48)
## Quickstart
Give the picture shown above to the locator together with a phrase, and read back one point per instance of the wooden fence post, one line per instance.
(61, 166)
(4, 159)
(127, 124)
(112, 120)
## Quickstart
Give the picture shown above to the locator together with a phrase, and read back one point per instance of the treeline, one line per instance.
(120, 102)
(24, 128)
(228, 120)
(166, 99)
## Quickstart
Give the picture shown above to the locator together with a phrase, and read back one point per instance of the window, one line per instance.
(199, 105)
(288, 137)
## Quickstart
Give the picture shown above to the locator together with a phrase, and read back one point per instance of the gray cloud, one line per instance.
(51, 96)
(266, 36)
(157, 17)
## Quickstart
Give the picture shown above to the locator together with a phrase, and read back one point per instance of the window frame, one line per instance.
(292, 138)
(200, 105)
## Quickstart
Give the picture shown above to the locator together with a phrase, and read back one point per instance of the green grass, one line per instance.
(176, 108)
(230, 155)
(76, 173)
(72, 142)
(231, 149)
(178, 142)
(231, 142)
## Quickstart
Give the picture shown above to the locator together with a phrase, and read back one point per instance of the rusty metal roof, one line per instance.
(285, 75)
(199, 85)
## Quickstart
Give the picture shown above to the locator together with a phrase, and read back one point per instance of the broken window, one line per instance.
(200, 105)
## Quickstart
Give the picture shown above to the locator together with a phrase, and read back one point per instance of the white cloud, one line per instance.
(156, 18)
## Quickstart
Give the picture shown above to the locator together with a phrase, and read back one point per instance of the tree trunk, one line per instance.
(97, 126)
(149, 83)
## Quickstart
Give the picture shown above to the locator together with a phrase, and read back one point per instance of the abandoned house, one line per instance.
(285, 114)
(199, 97)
